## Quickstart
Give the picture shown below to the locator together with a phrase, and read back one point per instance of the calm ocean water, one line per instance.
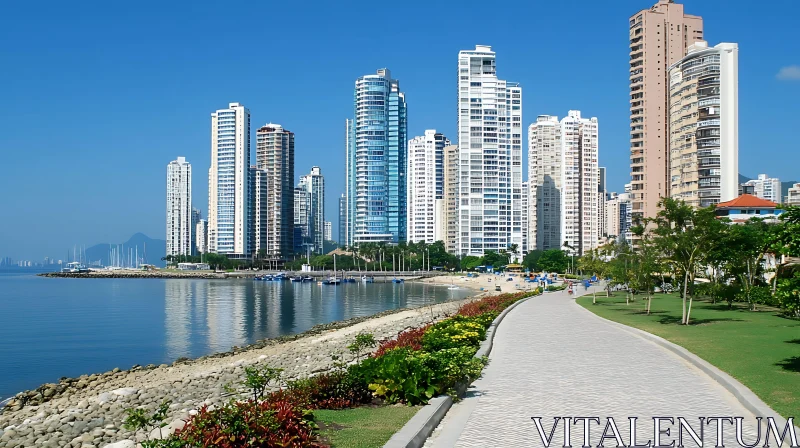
(51, 327)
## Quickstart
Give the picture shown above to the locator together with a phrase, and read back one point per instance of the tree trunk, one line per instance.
(685, 292)
(689, 311)
(594, 297)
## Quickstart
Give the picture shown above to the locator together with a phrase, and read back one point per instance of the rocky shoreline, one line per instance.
(88, 411)
(175, 274)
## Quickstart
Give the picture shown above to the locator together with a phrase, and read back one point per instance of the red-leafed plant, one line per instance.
(264, 424)
(410, 339)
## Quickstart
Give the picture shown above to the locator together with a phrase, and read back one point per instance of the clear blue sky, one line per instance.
(97, 97)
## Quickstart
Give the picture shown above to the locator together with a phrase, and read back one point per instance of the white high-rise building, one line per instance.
(328, 233)
(525, 212)
(425, 184)
(228, 179)
(201, 231)
(259, 210)
(766, 187)
(544, 184)
(490, 155)
(564, 182)
(793, 195)
(179, 207)
(314, 183)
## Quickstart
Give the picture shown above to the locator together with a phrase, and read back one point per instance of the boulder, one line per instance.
(122, 444)
(125, 391)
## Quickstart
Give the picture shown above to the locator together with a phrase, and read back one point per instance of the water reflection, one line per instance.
(205, 316)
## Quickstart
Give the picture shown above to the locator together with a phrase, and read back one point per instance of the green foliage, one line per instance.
(788, 293)
(469, 263)
(362, 343)
(531, 260)
(414, 377)
(458, 331)
(491, 258)
(259, 378)
(139, 419)
(553, 260)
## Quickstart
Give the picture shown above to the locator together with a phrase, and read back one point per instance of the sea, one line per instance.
(65, 327)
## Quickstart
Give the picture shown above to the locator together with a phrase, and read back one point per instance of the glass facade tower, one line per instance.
(376, 161)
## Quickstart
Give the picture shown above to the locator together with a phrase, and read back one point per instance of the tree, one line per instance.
(553, 260)
(682, 234)
(785, 241)
(531, 260)
(470, 262)
(748, 245)
(491, 258)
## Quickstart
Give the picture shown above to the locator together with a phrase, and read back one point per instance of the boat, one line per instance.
(366, 279)
(264, 278)
(308, 279)
(349, 280)
(75, 267)
(397, 280)
(297, 279)
(331, 281)
(453, 287)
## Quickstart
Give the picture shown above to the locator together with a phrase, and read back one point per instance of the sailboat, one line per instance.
(453, 285)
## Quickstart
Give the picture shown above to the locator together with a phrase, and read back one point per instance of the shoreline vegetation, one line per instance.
(90, 409)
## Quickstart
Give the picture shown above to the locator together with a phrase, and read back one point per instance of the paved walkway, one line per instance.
(552, 358)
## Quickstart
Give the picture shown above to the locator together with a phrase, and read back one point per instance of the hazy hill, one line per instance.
(150, 249)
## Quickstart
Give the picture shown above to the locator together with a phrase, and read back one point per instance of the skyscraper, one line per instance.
(704, 125)
(228, 190)
(259, 209)
(490, 155)
(425, 184)
(328, 233)
(343, 220)
(275, 155)
(201, 230)
(525, 213)
(563, 183)
(377, 160)
(348, 212)
(303, 241)
(196, 216)
(659, 37)
(544, 184)
(179, 207)
(314, 183)
(450, 203)
(601, 203)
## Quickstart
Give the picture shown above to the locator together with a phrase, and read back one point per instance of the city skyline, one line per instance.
(88, 220)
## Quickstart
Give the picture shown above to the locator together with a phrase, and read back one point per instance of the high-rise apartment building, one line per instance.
(328, 232)
(766, 187)
(450, 204)
(376, 161)
(275, 155)
(228, 190)
(179, 207)
(347, 206)
(343, 220)
(793, 195)
(314, 183)
(303, 241)
(259, 211)
(601, 203)
(563, 183)
(201, 231)
(196, 216)
(612, 218)
(425, 184)
(490, 155)
(659, 37)
(525, 213)
(545, 184)
(704, 125)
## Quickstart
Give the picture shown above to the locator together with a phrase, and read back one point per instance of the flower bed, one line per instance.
(413, 368)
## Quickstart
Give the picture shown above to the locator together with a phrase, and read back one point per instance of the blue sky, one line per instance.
(99, 96)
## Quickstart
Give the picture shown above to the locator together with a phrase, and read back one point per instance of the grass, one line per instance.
(365, 427)
(761, 349)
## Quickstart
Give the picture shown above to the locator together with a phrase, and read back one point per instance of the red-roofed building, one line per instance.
(746, 207)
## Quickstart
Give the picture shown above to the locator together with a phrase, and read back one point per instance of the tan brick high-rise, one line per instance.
(659, 37)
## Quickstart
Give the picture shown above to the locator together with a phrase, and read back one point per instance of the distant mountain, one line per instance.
(785, 186)
(150, 250)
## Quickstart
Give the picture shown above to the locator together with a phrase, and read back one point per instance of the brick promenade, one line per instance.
(551, 358)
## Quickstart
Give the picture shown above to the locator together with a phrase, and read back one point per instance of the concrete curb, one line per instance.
(417, 430)
(743, 394)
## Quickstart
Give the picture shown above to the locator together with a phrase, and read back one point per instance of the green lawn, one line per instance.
(760, 349)
(366, 427)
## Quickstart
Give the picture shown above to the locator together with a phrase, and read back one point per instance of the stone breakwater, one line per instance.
(87, 412)
(175, 274)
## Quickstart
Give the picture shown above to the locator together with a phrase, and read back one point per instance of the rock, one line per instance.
(125, 391)
(122, 444)
(116, 370)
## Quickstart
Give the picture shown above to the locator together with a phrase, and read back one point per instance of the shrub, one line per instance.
(458, 331)
(411, 339)
(414, 377)
(265, 424)
(335, 390)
